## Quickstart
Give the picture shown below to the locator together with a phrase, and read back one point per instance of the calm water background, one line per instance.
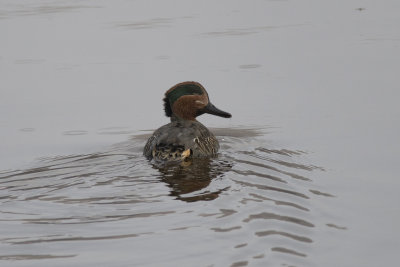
(308, 170)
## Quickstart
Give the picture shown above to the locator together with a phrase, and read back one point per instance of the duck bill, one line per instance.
(211, 109)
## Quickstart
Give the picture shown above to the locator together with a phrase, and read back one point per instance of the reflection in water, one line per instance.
(255, 202)
(192, 177)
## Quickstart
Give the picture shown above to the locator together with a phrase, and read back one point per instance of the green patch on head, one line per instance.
(181, 90)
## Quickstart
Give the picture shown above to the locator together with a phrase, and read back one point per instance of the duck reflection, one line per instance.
(193, 176)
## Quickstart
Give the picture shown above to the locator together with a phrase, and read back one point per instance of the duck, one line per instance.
(184, 137)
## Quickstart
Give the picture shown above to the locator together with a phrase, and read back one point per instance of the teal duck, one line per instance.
(184, 137)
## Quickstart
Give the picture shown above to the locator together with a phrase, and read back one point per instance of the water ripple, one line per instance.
(253, 198)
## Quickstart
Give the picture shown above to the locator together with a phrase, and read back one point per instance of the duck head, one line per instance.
(188, 100)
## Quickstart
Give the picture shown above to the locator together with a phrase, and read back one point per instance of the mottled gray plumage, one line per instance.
(169, 141)
(184, 137)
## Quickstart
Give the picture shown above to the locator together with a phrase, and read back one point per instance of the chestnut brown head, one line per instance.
(188, 100)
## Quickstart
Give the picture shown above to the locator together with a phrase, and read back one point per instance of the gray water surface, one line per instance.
(308, 168)
(255, 203)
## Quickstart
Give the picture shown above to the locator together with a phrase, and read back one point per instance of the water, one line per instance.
(253, 204)
(308, 168)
